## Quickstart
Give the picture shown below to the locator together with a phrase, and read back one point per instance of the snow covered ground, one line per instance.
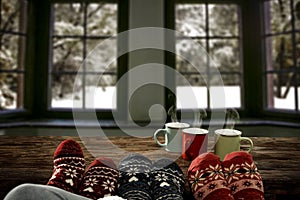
(106, 99)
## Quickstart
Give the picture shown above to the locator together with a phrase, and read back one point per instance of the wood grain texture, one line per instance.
(28, 159)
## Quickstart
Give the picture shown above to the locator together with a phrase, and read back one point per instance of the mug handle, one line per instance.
(250, 142)
(158, 131)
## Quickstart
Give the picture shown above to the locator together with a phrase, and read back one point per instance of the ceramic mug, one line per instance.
(173, 136)
(194, 142)
(229, 140)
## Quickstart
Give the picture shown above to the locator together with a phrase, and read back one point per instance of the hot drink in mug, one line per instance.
(229, 140)
(172, 136)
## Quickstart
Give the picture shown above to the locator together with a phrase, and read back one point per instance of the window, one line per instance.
(254, 45)
(216, 27)
(76, 30)
(282, 38)
(13, 24)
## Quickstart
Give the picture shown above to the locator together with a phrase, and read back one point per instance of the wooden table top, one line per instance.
(28, 159)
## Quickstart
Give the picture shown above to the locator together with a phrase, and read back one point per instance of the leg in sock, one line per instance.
(69, 165)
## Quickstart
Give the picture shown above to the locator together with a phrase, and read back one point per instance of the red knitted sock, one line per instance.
(69, 165)
(100, 179)
(242, 176)
(207, 179)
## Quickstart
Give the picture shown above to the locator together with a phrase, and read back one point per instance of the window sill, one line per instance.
(69, 123)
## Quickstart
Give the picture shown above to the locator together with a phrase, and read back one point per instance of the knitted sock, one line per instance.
(207, 180)
(242, 176)
(167, 180)
(134, 182)
(69, 165)
(100, 179)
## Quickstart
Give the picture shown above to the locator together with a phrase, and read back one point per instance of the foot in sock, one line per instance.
(134, 182)
(242, 176)
(207, 180)
(100, 179)
(167, 180)
(69, 165)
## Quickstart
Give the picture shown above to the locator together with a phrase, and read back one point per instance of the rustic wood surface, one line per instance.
(28, 159)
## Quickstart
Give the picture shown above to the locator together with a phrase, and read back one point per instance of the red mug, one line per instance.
(194, 142)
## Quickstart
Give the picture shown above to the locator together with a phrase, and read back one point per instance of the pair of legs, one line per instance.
(70, 180)
(235, 178)
(136, 178)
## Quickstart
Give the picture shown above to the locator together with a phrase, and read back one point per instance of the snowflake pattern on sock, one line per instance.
(243, 177)
(100, 180)
(207, 180)
(134, 182)
(69, 166)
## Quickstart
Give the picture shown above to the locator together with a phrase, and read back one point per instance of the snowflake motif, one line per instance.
(200, 194)
(233, 188)
(91, 182)
(258, 184)
(132, 171)
(247, 184)
(196, 180)
(161, 177)
(251, 170)
(71, 173)
(215, 172)
(232, 173)
(212, 186)
(109, 185)
(147, 172)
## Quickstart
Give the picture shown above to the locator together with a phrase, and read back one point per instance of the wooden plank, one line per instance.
(29, 159)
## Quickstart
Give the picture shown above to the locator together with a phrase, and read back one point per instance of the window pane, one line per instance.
(67, 54)
(80, 47)
(9, 52)
(225, 54)
(225, 97)
(280, 54)
(297, 14)
(12, 53)
(298, 50)
(281, 93)
(13, 15)
(190, 19)
(102, 19)
(100, 92)
(191, 97)
(102, 55)
(191, 80)
(11, 91)
(68, 19)
(189, 54)
(63, 88)
(228, 94)
(278, 18)
(223, 20)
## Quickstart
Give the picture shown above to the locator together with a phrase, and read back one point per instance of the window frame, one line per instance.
(268, 35)
(41, 108)
(246, 110)
(23, 110)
